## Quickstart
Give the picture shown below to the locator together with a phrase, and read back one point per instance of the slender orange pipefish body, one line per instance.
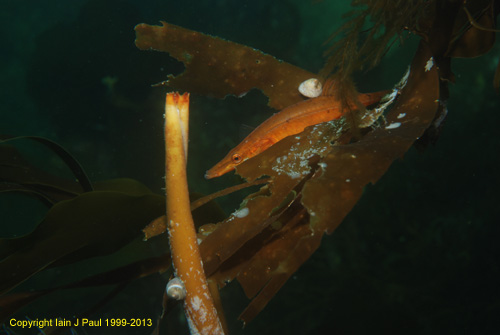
(289, 121)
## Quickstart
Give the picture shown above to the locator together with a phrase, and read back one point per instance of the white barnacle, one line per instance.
(241, 213)
(176, 289)
(293, 174)
(393, 125)
(197, 303)
(311, 88)
(429, 64)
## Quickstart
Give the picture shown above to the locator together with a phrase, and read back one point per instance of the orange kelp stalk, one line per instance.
(198, 303)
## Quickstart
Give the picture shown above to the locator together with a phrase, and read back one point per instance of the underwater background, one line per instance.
(419, 253)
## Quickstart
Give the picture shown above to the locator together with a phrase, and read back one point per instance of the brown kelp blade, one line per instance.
(335, 188)
(349, 168)
(474, 31)
(217, 67)
(263, 248)
(92, 224)
(17, 174)
(75, 167)
(9, 304)
(257, 244)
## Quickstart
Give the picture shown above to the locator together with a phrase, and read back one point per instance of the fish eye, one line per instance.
(236, 158)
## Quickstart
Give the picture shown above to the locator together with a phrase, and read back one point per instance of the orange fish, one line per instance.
(290, 121)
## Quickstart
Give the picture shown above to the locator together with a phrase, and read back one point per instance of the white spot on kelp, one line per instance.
(429, 64)
(241, 213)
(393, 125)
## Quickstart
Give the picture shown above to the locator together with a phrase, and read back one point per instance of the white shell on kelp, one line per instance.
(176, 289)
(311, 88)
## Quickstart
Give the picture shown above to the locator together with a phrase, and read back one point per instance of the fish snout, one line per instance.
(219, 169)
(208, 175)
